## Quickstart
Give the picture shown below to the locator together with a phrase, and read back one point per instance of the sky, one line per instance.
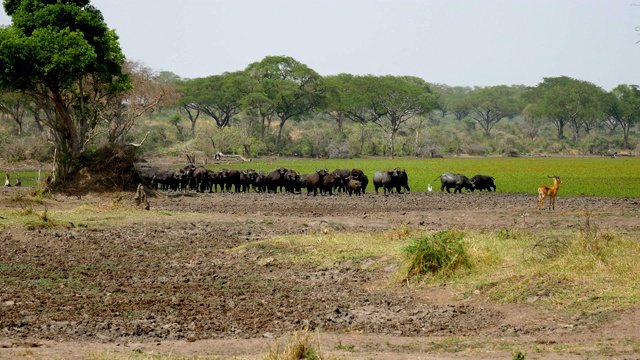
(452, 42)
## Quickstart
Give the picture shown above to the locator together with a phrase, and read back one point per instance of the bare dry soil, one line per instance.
(178, 287)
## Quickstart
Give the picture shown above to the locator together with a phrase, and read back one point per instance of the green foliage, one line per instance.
(491, 104)
(285, 88)
(45, 53)
(519, 355)
(565, 101)
(442, 252)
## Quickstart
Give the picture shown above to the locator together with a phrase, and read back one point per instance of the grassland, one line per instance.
(601, 176)
(595, 176)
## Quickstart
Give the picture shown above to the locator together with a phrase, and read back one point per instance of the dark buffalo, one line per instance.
(364, 180)
(275, 180)
(456, 181)
(354, 186)
(181, 180)
(302, 183)
(290, 181)
(198, 179)
(231, 178)
(482, 182)
(215, 180)
(386, 180)
(402, 181)
(315, 181)
(245, 180)
(248, 180)
(328, 183)
(163, 180)
(260, 182)
(341, 177)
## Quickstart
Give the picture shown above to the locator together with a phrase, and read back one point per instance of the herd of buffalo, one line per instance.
(353, 181)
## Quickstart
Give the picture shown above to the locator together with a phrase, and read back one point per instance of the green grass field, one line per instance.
(600, 176)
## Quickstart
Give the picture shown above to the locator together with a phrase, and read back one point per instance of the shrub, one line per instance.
(442, 252)
(299, 346)
(28, 147)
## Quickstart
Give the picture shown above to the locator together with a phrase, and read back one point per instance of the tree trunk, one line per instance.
(625, 135)
(392, 144)
(560, 126)
(280, 126)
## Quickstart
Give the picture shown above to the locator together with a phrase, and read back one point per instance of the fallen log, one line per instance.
(220, 155)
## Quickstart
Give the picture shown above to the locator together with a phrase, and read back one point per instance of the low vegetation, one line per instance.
(440, 253)
(586, 270)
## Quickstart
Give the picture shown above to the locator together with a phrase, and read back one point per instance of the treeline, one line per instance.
(68, 93)
(279, 106)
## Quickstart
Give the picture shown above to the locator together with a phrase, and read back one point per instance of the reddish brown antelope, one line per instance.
(550, 191)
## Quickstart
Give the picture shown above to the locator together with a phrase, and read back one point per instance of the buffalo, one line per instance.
(290, 181)
(275, 180)
(402, 181)
(328, 183)
(164, 180)
(215, 180)
(354, 186)
(482, 182)
(456, 181)
(360, 176)
(315, 181)
(386, 180)
(341, 179)
(198, 178)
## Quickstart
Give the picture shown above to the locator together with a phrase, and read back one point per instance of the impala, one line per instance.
(551, 192)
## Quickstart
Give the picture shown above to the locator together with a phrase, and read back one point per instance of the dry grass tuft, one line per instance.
(300, 345)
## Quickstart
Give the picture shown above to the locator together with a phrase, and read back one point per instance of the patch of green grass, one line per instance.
(588, 176)
(442, 253)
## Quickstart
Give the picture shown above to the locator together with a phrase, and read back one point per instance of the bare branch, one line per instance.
(141, 142)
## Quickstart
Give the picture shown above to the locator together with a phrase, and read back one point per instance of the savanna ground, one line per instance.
(183, 279)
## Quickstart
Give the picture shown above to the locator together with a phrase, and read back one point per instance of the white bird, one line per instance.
(429, 188)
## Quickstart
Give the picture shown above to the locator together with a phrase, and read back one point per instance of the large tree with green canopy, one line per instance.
(287, 86)
(387, 101)
(62, 54)
(218, 96)
(565, 101)
(623, 105)
(491, 104)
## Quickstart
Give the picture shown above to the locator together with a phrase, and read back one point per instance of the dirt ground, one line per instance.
(178, 287)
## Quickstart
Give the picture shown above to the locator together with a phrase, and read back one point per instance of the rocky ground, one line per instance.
(179, 287)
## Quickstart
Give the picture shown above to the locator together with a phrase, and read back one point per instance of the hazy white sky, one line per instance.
(454, 42)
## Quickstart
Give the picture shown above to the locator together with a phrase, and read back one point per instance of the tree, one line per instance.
(337, 93)
(623, 105)
(564, 100)
(15, 105)
(388, 101)
(218, 96)
(121, 109)
(491, 104)
(457, 101)
(63, 55)
(291, 88)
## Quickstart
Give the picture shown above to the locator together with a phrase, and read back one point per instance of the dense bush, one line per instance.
(442, 252)
(27, 147)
